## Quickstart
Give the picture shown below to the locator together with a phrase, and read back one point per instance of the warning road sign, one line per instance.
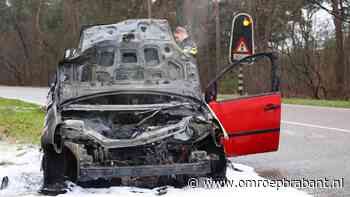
(242, 47)
(241, 51)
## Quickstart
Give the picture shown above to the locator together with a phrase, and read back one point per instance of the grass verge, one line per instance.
(20, 121)
(298, 101)
(321, 103)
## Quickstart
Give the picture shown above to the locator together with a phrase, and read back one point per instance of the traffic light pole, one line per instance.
(241, 81)
(241, 43)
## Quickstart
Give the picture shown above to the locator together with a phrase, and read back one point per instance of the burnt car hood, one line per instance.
(128, 64)
(178, 88)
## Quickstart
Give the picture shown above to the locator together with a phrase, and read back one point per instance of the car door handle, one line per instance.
(270, 107)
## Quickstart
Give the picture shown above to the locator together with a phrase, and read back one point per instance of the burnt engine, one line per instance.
(127, 125)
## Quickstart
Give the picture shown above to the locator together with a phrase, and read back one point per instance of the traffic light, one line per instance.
(242, 37)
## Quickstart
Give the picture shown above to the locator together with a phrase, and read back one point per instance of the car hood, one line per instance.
(180, 88)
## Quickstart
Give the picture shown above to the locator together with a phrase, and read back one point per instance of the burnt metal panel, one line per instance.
(199, 168)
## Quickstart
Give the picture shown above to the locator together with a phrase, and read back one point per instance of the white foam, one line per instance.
(23, 169)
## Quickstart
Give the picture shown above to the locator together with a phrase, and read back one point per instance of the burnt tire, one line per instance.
(70, 165)
(177, 181)
(181, 181)
(218, 169)
(53, 171)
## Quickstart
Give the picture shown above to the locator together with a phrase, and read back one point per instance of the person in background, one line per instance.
(189, 47)
(185, 42)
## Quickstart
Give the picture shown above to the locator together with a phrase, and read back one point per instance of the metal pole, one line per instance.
(241, 81)
(149, 2)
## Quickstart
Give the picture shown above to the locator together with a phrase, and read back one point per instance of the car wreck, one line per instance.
(126, 108)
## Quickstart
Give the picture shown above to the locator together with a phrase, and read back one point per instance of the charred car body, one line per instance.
(127, 108)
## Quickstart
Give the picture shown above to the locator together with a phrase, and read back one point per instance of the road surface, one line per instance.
(315, 143)
(33, 95)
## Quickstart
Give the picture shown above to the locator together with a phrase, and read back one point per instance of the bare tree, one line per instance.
(337, 6)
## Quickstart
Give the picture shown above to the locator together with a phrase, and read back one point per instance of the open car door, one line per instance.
(252, 124)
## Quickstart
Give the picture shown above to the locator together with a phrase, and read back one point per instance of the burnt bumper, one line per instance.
(93, 173)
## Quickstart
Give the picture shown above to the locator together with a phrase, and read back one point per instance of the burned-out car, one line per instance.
(127, 108)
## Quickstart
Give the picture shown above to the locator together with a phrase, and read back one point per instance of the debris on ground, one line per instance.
(4, 183)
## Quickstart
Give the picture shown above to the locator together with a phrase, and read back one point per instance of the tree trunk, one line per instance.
(71, 22)
(339, 64)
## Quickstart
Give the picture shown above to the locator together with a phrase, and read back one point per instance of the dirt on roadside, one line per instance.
(2, 132)
(5, 137)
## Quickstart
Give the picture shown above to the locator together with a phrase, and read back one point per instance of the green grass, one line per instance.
(298, 101)
(322, 103)
(222, 97)
(20, 121)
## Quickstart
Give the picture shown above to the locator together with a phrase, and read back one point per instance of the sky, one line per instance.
(322, 17)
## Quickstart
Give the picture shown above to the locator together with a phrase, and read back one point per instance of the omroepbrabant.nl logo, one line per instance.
(304, 183)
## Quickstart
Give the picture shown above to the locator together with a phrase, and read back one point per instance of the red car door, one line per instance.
(252, 123)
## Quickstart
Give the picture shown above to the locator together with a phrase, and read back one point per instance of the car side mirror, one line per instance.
(211, 93)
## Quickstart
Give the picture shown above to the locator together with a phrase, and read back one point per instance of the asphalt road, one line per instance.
(315, 144)
(33, 94)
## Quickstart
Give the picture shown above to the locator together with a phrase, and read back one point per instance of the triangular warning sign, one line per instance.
(242, 47)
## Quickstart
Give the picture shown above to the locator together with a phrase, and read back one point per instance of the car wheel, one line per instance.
(219, 162)
(53, 171)
(181, 181)
(219, 169)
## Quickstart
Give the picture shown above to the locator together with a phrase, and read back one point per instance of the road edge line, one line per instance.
(315, 126)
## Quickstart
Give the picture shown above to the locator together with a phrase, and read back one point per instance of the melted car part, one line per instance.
(127, 98)
(4, 183)
(130, 124)
(128, 116)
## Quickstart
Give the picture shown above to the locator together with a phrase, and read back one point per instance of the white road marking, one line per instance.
(315, 126)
